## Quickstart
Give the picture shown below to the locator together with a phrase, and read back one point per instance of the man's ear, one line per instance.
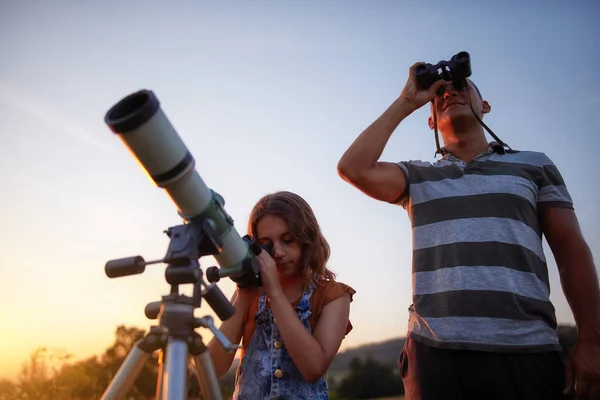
(430, 120)
(485, 107)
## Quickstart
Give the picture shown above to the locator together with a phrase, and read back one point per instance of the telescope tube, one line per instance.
(148, 134)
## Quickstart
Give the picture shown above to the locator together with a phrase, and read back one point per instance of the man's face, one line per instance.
(452, 105)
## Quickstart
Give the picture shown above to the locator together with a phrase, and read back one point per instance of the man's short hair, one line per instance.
(476, 88)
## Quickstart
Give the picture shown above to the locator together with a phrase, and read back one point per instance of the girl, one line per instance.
(292, 327)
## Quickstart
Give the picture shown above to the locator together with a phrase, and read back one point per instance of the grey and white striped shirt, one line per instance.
(480, 279)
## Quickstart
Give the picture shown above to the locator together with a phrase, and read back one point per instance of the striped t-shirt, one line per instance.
(480, 279)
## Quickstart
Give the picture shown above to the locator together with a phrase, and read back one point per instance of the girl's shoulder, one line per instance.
(327, 291)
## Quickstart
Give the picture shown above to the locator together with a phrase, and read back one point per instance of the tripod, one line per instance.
(175, 335)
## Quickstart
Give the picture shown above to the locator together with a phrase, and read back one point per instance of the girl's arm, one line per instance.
(312, 355)
(233, 329)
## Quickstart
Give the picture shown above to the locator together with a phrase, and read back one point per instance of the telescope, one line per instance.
(206, 230)
(146, 131)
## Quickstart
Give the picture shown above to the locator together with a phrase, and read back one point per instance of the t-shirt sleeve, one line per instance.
(334, 291)
(403, 199)
(552, 189)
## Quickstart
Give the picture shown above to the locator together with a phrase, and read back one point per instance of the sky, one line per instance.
(267, 95)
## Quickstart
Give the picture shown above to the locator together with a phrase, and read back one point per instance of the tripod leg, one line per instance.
(127, 374)
(206, 375)
(205, 370)
(175, 373)
(160, 377)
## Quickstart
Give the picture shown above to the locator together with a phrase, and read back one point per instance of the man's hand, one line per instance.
(583, 370)
(413, 94)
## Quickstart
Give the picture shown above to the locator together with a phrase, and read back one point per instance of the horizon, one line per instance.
(282, 89)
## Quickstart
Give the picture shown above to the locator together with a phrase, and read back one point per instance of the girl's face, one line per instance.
(274, 231)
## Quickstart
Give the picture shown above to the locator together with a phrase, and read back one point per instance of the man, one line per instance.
(481, 324)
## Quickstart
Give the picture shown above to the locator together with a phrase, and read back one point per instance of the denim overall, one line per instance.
(267, 371)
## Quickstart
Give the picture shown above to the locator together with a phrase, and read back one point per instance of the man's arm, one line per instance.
(576, 268)
(581, 288)
(360, 165)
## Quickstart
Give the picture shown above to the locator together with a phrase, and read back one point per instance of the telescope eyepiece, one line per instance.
(132, 111)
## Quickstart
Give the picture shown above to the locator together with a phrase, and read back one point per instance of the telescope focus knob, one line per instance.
(212, 274)
(125, 267)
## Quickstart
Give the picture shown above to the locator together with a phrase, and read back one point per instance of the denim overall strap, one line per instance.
(267, 371)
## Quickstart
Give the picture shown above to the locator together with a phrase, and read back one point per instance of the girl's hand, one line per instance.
(268, 274)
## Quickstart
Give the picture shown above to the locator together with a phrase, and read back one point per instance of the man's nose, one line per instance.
(449, 91)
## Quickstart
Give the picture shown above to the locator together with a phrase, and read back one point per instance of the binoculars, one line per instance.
(456, 70)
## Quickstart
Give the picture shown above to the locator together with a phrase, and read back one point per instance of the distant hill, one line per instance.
(385, 352)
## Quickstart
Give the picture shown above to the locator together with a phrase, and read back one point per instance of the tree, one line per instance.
(144, 386)
(49, 375)
(370, 379)
(8, 390)
(567, 336)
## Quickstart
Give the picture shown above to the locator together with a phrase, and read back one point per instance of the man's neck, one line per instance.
(466, 145)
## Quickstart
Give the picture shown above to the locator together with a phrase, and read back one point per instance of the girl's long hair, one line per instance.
(304, 228)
